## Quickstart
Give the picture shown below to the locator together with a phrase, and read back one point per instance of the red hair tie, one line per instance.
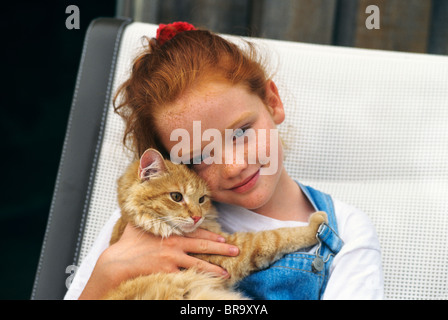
(166, 32)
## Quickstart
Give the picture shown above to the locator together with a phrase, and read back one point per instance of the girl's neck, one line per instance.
(288, 202)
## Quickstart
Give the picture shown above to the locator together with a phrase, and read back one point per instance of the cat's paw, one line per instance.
(317, 218)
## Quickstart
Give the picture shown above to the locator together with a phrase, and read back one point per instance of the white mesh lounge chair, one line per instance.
(369, 127)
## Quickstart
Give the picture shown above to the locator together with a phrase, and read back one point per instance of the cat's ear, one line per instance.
(151, 165)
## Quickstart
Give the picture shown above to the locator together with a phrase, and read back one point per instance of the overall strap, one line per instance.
(329, 241)
(321, 202)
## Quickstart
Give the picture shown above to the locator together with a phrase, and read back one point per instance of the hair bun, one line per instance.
(166, 32)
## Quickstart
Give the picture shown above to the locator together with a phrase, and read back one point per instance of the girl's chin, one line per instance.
(260, 194)
(251, 201)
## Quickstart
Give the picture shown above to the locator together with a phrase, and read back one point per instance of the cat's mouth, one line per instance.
(190, 226)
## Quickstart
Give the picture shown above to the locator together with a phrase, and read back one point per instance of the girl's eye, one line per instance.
(238, 133)
(176, 196)
(201, 199)
(199, 159)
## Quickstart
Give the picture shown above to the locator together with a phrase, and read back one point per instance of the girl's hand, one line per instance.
(139, 253)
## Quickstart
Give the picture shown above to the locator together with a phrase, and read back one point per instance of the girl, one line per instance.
(188, 75)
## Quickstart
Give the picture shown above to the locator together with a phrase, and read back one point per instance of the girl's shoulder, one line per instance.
(355, 226)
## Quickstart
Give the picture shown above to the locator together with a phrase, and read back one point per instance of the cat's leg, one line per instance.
(260, 249)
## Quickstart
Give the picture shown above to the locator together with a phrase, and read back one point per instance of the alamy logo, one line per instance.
(71, 270)
(373, 21)
(72, 21)
(239, 146)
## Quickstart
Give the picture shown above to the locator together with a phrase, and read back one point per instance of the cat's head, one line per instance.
(167, 198)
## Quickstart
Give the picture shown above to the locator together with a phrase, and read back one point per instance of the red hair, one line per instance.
(162, 73)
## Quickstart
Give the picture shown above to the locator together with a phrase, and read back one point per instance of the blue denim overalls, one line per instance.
(299, 275)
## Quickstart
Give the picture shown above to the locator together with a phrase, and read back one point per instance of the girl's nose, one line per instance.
(233, 170)
(234, 162)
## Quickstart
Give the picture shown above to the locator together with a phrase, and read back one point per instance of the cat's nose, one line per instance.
(196, 219)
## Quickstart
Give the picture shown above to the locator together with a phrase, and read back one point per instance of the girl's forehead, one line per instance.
(215, 105)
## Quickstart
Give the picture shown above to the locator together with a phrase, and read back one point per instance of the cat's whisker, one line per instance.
(141, 233)
(166, 219)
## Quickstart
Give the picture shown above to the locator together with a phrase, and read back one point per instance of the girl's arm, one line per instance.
(138, 253)
(356, 272)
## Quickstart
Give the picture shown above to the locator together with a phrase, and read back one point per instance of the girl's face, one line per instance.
(221, 106)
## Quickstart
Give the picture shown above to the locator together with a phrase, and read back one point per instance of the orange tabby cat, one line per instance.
(165, 198)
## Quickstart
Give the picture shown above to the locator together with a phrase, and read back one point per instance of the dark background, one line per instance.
(40, 68)
(39, 74)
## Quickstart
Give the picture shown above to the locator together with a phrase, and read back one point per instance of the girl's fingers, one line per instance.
(205, 234)
(192, 262)
(172, 253)
(203, 246)
(200, 241)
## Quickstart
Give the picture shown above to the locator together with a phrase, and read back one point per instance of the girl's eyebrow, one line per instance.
(244, 116)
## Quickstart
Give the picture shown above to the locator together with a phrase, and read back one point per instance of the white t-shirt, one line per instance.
(356, 271)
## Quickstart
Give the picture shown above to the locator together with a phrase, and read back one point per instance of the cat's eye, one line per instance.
(176, 196)
(202, 199)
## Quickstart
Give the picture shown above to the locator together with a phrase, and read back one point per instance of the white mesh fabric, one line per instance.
(113, 157)
(369, 127)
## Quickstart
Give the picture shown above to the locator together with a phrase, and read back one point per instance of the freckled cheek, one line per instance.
(279, 148)
(274, 146)
(211, 175)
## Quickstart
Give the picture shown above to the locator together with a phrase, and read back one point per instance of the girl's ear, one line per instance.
(151, 165)
(274, 102)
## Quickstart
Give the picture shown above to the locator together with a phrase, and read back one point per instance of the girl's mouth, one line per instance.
(247, 184)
